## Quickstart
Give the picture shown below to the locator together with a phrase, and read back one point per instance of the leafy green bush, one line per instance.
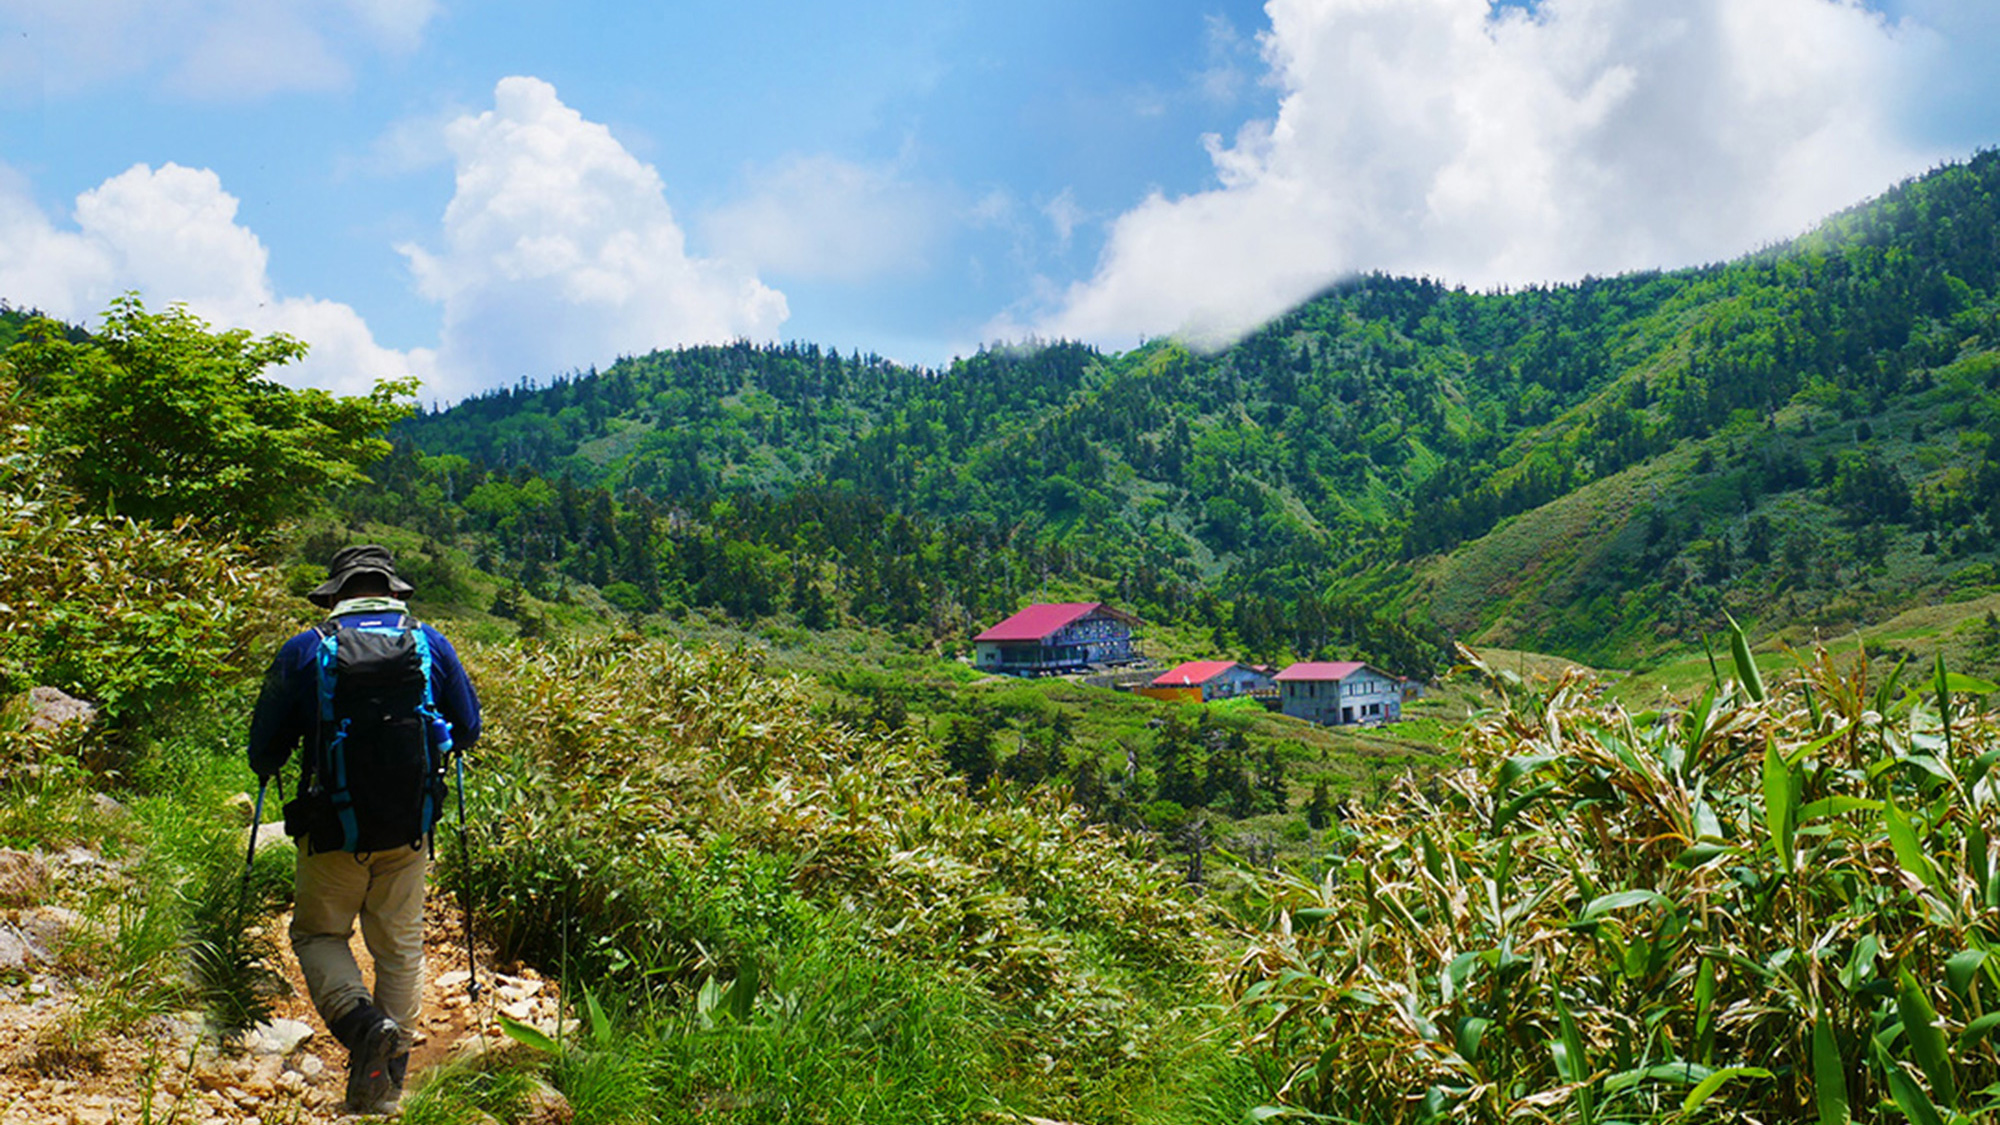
(125, 614)
(1777, 908)
(167, 420)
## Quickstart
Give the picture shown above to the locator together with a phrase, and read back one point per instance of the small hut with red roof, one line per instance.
(1203, 681)
(1059, 637)
(1340, 692)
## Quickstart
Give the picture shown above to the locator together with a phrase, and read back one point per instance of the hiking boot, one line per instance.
(371, 1088)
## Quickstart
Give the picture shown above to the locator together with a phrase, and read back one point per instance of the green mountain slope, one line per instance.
(1597, 469)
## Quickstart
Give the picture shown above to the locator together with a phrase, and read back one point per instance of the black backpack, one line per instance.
(376, 778)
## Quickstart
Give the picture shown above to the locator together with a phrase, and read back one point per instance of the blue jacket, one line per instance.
(287, 711)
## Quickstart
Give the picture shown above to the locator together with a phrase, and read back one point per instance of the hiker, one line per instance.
(376, 700)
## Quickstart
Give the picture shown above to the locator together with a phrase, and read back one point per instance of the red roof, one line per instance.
(1192, 673)
(1038, 621)
(1320, 670)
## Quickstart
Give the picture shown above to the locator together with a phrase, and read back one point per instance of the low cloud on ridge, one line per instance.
(1493, 146)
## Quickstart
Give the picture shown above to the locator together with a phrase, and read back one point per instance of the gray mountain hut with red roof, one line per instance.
(1059, 637)
(1339, 693)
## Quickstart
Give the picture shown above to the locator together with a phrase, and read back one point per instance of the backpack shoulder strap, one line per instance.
(426, 662)
(313, 767)
(325, 664)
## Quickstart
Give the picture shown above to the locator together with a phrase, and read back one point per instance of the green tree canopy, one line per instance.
(164, 418)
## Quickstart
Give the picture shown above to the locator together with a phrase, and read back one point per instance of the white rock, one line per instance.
(519, 1009)
(14, 950)
(309, 1066)
(278, 1037)
(452, 979)
(264, 1079)
(78, 856)
(513, 988)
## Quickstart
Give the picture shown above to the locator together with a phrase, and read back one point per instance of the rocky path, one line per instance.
(169, 1071)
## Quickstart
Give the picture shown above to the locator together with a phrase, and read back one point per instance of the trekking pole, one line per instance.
(250, 856)
(465, 862)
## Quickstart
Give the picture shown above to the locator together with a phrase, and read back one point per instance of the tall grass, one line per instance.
(830, 1037)
(648, 819)
(1775, 906)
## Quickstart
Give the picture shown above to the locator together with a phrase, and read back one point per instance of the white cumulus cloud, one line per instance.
(1497, 146)
(209, 48)
(171, 234)
(559, 250)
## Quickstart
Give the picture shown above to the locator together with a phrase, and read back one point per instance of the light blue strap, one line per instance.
(424, 661)
(437, 729)
(333, 763)
(329, 651)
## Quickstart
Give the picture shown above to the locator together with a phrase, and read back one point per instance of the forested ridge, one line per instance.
(1600, 468)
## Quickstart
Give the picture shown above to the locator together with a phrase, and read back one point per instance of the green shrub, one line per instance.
(168, 421)
(1768, 908)
(128, 615)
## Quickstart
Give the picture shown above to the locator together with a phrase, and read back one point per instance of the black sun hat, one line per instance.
(349, 561)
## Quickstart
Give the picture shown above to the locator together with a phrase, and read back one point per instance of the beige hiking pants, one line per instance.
(385, 890)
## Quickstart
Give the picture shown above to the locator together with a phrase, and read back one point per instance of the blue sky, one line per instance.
(476, 192)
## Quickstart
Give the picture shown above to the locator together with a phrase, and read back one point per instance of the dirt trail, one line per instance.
(171, 1073)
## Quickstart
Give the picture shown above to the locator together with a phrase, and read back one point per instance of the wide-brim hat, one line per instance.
(350, 561)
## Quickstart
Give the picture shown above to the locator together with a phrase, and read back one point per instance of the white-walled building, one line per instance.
(1339, 693)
